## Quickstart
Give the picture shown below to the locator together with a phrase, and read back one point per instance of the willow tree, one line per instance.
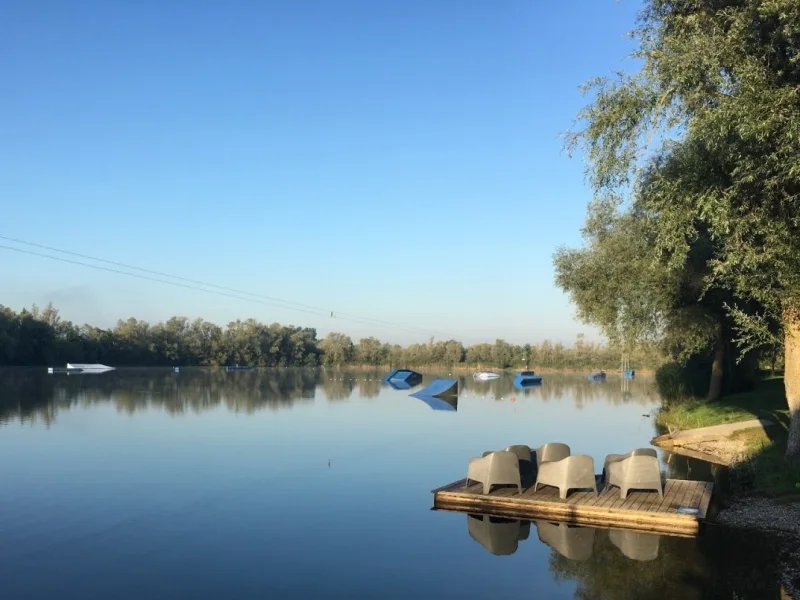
(621, 283)
(722, 76)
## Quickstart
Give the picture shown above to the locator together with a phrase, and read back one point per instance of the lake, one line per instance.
(292, 483)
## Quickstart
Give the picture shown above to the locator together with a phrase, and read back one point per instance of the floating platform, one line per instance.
(680, 512)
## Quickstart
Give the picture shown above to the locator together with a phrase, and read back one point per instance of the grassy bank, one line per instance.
(760, 467)
(767, 400)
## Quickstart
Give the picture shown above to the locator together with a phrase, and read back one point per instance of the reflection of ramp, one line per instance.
(403, 379)
(447, 403)
(440, 394)
(440, 388)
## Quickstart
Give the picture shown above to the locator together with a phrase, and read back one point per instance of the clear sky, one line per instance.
(395, 160)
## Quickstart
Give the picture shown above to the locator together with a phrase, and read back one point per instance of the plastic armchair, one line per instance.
(496, 468)
(573, 472)
(635, 473)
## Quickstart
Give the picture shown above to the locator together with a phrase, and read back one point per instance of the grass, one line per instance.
(761, 469)
(766, 400)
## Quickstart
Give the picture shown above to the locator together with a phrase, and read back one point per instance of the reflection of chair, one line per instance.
(635, 473)
(615, 457)
(496, 468)
(498, 536)
(635, 545)
(573, 472)
(575, 543)
(550, 452)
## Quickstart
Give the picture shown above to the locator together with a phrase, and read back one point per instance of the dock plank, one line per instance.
(705, 501)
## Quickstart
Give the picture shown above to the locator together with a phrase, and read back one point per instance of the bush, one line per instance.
(676, 381)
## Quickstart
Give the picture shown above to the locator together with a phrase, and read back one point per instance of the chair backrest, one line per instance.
(579, 464)
(551, 452)
(504, 458)
(644, 452)
(522, 451)
(646, 465)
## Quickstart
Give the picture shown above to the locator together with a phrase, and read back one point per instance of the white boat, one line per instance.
(485, 375)
(90, 368)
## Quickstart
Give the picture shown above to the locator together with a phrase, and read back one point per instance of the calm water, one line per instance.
(304, 484)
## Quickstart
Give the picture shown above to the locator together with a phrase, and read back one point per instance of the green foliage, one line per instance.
(35, 337)
(706, 135)
(677, 381)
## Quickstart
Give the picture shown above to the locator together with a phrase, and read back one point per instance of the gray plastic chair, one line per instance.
(524, 455)
(616, 457)
(573, 472)
(634, 544)
(496, 468)
(575, 543)
(526, 469)
(551, 452)
(498, 536)
(522, 451)
(635, 473)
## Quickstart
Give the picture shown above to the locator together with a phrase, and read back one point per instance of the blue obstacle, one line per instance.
(403, 379)
(526, 379)
(440, 394)
(439, 388)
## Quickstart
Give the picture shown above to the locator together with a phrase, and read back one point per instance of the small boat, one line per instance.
(597, 376)
(239, 368)
(630, 374)
(485, 375)
(90, 368)
(176, 369)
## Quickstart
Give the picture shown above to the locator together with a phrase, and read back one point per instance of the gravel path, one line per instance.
(767, 515)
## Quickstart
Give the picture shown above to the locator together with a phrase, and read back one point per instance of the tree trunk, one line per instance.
(718, 366)
(791, 379)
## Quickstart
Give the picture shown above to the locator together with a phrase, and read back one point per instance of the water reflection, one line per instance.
(636, 545)
(572, 542)
(620, 564)
(31, 394)
(499, 536)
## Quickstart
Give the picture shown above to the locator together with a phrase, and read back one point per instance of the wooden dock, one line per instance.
(684, 506)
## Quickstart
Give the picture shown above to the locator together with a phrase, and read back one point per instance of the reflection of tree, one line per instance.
(28, 395)
(720, 563)
(556, 387)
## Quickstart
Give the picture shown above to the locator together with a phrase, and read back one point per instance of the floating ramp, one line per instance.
(403, 379)
(440, 394)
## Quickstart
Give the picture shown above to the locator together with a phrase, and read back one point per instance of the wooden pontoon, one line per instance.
(682, 509)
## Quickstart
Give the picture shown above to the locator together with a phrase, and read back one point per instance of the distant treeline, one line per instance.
(41, 337)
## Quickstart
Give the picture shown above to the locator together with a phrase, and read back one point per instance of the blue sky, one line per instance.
(394, 160)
